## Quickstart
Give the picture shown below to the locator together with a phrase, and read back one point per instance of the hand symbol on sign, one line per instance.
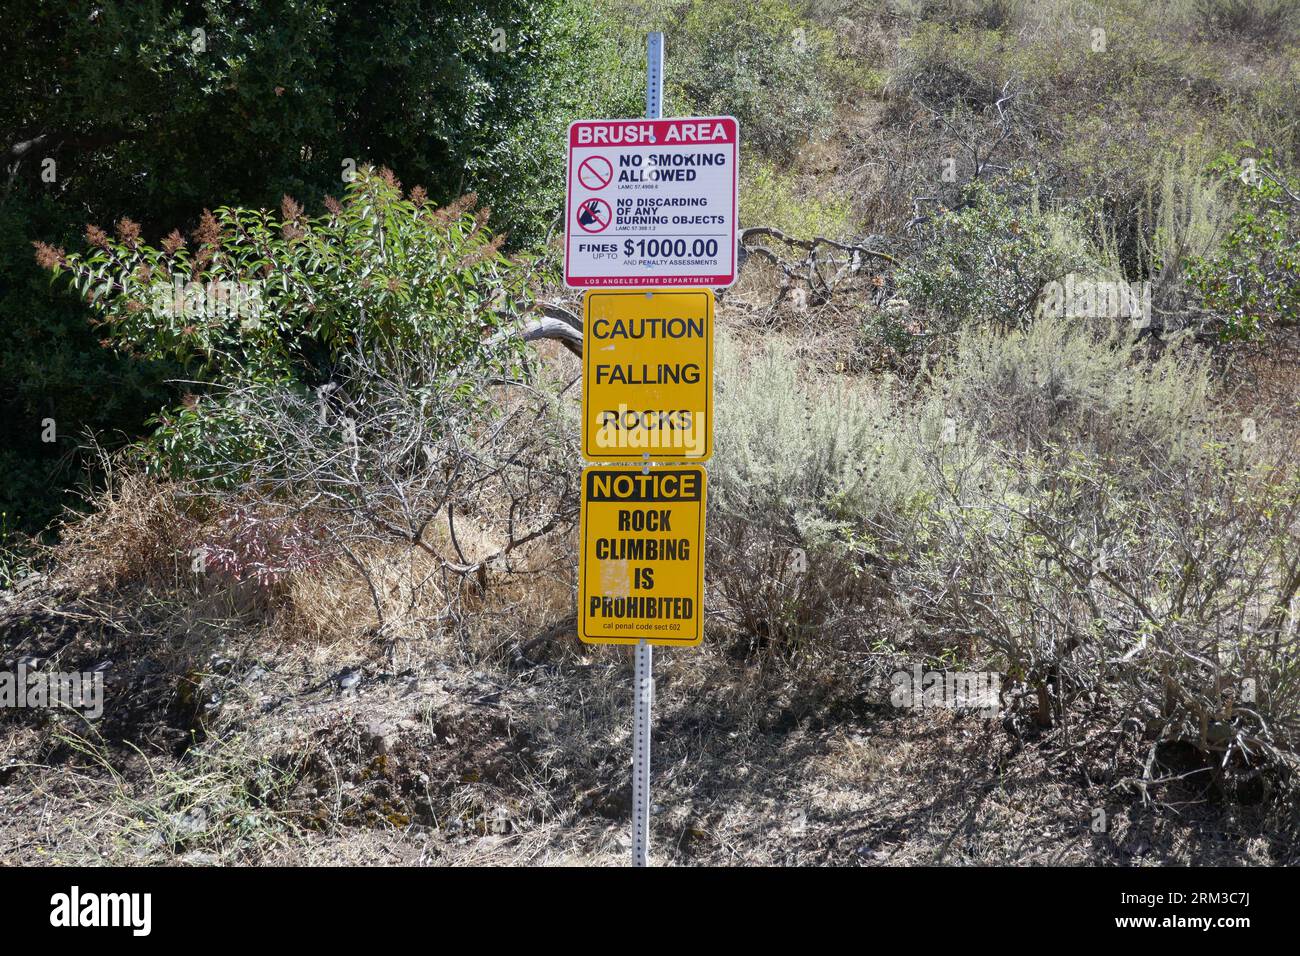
(594, 215)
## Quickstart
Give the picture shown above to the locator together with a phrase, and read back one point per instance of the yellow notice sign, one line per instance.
(641, 571)
(647, 375)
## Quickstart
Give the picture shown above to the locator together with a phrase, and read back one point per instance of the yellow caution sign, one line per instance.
(647, 375)
(641, 570)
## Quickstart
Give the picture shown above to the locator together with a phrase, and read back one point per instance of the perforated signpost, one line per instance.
(650, 232)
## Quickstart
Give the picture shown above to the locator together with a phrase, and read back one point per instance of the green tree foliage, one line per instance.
(255, 298)
(1253, 279)
(170, 105)
(155, 110)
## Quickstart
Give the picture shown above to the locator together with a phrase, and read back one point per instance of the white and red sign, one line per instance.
(652, 203)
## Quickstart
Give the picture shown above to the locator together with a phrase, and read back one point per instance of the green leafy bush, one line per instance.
(277, 300)
(1253, 280)
(760, 61)
(987, 262)
(56, 381)
(772, 197)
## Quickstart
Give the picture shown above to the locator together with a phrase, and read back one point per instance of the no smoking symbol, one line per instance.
(594, 215)
(595, 172)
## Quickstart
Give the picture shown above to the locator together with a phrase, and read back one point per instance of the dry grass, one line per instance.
(409, 597)
(135, 533)
(333, 604)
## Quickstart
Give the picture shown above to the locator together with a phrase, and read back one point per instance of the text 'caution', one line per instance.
(647, 375)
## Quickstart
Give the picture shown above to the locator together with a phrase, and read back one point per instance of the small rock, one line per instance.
(198, 858)
(380, 737)
(190, 823)
(28, 582)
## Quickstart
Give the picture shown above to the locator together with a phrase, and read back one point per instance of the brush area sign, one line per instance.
(641, 571)
(647, 374)
(651, 203)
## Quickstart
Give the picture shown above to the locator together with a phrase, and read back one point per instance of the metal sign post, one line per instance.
(645, 688)
(644, 670)
(654, 76)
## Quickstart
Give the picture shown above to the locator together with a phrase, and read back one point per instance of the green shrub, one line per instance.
(277, 300)
(1116, 539)
(1167, 599)
(757, 60)
(1060, 382)
(803, 473)
(1117, 112)
(159, 110)
(988, 262)
(1253, 280)
(944, 69)
(56, 381)
(770, 196)
(989, 14)
(1265, 20)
